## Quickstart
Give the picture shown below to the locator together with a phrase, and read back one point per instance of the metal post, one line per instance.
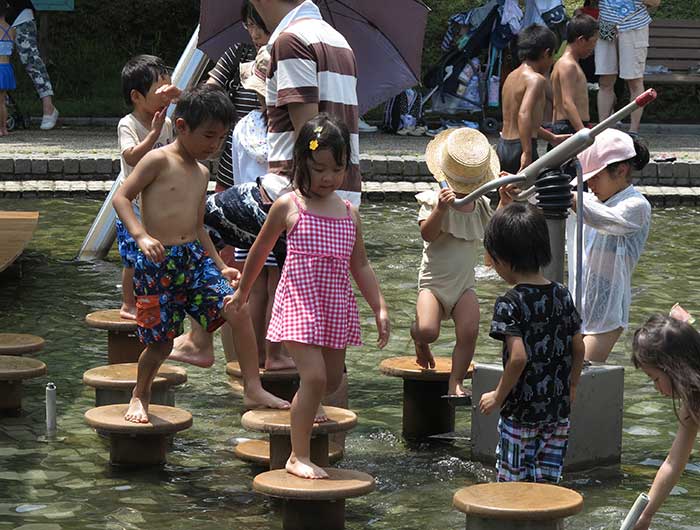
(557, 243)
(636, 512)
(50, 409)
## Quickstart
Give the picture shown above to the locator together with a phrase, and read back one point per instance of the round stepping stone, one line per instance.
(281, 383)
(13, 370)
(20, 343)
(517, 505)
(138, 444)
(114, 383)
(277, 424)
(258, 452)
(123, 345)
(314, 504)
(425, 412)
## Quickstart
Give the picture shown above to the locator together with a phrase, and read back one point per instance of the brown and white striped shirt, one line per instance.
(310, 63)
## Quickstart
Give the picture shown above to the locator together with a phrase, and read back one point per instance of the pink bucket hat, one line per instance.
(610, 146)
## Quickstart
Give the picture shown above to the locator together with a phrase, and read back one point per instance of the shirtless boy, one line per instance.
(177, 268)
(569, 82)
(524, 100)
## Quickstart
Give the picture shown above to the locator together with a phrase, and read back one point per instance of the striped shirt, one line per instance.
(627, 14)
(310, 63)
(227, 75)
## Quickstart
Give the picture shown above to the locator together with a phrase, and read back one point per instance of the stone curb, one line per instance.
(371, 191)
(375, 168)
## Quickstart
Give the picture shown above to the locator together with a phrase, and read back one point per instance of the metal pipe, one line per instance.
(636, 512)
(102, 233)
(557, 244)
(50, 409)
(579, 235)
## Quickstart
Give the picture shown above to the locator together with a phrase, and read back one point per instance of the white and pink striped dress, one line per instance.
(314, 302)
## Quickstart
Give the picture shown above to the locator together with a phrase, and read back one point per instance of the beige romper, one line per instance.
(447, 267)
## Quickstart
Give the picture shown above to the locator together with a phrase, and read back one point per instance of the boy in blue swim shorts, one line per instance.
(177, 269)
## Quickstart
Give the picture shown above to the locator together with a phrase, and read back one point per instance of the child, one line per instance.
(524, 100)
(146, 87)
(464, 158)
(315, 313)
(542, 350)
(7, 74)
(667, 349)
(176, 266)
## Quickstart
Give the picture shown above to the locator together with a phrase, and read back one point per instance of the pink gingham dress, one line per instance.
(314, 302)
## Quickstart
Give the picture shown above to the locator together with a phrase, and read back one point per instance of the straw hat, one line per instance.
(463, 157)
(254, 73)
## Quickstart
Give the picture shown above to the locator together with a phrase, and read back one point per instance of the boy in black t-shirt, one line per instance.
(543, 350)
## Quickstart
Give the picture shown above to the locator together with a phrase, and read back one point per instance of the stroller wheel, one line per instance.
(491, 126)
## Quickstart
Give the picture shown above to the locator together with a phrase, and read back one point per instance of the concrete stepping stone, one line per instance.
(13, 370)
(113, 383)
(258, 452)
(123, 345)
(281, 383)
(138, 444)
(20, 343)
(517, 505)
(277, 424)
(425, 412)
(314, 504)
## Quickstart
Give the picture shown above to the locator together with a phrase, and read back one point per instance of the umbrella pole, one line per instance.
(101, 235)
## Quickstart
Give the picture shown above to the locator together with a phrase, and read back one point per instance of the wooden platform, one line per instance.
(674, 44)
(13, 370)
(340, 484)
(407, 368)
(279, 421)
(16, 230)
(123, 376)
(109, 320)
(258, 452)
(123, 345)
(20, 343)
(281, 383)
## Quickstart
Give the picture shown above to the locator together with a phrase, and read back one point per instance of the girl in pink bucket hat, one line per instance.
(616, 221)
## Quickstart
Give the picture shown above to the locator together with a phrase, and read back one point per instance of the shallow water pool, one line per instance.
(68, 484)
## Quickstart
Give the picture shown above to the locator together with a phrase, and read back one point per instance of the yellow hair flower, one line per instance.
(313, 144)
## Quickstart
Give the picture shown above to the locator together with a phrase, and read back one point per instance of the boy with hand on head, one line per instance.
(177, 269)
(543, 350)
(146, 87)
(524, 100)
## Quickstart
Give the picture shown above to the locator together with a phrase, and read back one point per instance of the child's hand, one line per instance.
(559, 138)
(232, 275)
(151, 248)
(168, 93)
(235, 301)
(445, 198)
(159, 120)
(525, 160)
(383, 328)
(488, 403)
(681, 314)
(507, 193)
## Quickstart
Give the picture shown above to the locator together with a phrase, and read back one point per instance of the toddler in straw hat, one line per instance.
(451, 240)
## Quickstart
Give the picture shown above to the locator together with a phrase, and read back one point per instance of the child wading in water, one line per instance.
(451, 237)
(542, 350)
(315, 314)
(177, 268)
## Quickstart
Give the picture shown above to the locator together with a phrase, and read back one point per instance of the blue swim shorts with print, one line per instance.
(186, 281)
(128, 249)
(531, 452)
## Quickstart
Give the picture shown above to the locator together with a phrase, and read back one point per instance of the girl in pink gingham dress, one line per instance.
(315, 314)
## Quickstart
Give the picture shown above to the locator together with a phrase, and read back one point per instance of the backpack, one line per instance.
(403, 110)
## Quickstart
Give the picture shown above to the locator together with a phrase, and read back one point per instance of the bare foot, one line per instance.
(321, 415)
(127, 312)
(424, 357)
(304, 468)
(456, 388)
(262, 399)
(187, 351)
(279, 362)
(138, 411)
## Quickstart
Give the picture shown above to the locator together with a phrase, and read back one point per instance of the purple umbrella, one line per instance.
(386, 36)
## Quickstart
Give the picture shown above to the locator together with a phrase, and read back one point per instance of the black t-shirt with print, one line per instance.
(545, 318)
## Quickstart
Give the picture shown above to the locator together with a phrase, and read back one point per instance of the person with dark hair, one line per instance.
(178, 270)
(667, 349)
(616, 220)
(524, 100)
(542, 350)
(569, 84)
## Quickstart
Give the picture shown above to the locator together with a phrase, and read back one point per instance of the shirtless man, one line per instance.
(568, 79)
(524, 100)
(177, 269)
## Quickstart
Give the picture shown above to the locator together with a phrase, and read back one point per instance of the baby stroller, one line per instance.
(15, 118)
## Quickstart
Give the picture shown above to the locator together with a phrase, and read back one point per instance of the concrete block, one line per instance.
(88, 166)
(665, 170)
(7, 166)
(103, 166)
(365, 165)
(681, 170)
(694, 170)
(394, 165)
(595, 438)
(71, 166)
(379, 165)
(423, 168)
(649, 171)
(40, 166)
(23, 166)
(116, 166)
(410, 166)
(55, 165)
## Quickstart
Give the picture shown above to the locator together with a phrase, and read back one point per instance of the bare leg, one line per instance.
(426, 329)
(257, 302)
(255, 396)
(335, 366)
(636, 87)
(606, 96)
(466, 317)
(276, 357)
(312, 372)
(128, 309)
(195, 347)
(149, 362)
(338, 398)
(598, 347)
(47, 105)
(227, 342)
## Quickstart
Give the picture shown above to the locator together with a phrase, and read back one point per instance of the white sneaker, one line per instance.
(49, 121)
(365, 127)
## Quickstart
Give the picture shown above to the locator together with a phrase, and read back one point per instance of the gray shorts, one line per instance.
(509, 153)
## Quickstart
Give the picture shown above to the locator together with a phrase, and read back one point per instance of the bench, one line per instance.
(674, 44)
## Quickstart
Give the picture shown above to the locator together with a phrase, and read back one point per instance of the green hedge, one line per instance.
(88, 47)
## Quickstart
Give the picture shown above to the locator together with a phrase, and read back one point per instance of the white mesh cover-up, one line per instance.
(614, 234)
